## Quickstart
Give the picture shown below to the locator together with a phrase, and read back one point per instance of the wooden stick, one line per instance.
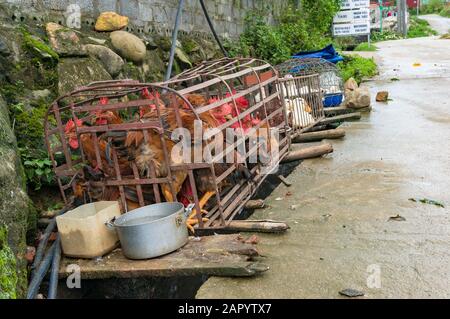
(339, 110)
(284, 180)
(262, 226)
(309, 152)
(317, 136)
(255, 204)
(341, 118)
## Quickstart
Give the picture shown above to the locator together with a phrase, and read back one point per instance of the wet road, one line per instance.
(341, 236)
(438, 23)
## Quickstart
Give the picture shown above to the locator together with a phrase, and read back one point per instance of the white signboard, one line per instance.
(353, 19)
(351, 29)
(352, 16)
(354, 4)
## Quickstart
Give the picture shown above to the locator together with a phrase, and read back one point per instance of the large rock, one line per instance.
(111, 61)
(110, 21)
(153, 66)
(14, 211)
(64, 41)
(351, 85)
(358, 98)
(128, 46)
(76, 72)
(4, 49)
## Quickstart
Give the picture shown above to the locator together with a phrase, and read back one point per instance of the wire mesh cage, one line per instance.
(302, 99)
(331, 82)
(142, 143)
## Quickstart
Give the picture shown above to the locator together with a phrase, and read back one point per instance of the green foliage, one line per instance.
(377, 36)
(302, 29)
(38, 46)
(445, 12)
(357, 67)
(261, 40)
(433, 6)
(365, 47)
(38, 171)
(420, 28)
(8, 275)
(29, 130)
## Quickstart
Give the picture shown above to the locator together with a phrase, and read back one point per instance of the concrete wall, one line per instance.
(148, 16)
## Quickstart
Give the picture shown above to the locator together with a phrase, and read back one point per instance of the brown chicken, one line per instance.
(152, 152)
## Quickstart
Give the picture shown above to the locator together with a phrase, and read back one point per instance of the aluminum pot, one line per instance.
(153, 230)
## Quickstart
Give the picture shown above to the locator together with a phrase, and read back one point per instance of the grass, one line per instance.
(365, 47)
(445, 12)
(420, 28)
(357, 67)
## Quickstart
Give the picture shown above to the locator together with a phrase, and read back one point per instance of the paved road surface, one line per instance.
(438, 23)
(340, 230)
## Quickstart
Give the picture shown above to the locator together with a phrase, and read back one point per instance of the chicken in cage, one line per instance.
(123, 140)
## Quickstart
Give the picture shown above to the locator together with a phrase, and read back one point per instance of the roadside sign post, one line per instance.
(380, 4)
(353, 19)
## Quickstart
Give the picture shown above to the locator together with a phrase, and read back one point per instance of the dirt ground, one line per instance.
(340, 206)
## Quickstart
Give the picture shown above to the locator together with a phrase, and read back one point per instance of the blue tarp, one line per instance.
(328, 53)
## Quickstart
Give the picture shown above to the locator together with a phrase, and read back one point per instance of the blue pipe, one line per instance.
(53, 285)
(174, 41)
(43, 243)
(41, 247)
(33, 288)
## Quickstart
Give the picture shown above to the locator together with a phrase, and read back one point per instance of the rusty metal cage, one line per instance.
(115, 140)
(302, 99)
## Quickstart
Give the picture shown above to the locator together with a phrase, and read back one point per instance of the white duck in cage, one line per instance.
(299, 112)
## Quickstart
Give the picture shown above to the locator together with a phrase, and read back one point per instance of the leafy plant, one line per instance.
(357, 67)
(445, 12)
(38, 172)
(420, 28)
(307, 28)
(433, 6)
(365, 47)
(384, 36)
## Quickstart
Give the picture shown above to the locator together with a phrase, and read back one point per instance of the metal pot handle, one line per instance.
(188, 209)
(110, 223)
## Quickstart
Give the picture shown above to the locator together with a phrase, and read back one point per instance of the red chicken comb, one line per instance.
(104, 100)
(70, 125)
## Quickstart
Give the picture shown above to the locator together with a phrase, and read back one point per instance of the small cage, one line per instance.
(302, 100)
(127, 141)
(331, 82)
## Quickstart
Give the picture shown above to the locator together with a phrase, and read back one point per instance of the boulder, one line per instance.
(4, 49)
(111, 61)
(110, 21)
(382, 96)
(358, 98)
(350, 84)
(128, 46)
(64, 41)
(153, 66)
(14, 212)
(76, 72)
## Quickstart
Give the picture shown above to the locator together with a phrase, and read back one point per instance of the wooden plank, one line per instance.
(218, 255)
(255, 204)
(309, 152)
(318, 136)
(339, 110)
(341, 118)
(263, 226)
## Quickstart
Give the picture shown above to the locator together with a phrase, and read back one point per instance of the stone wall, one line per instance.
(149, 16)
